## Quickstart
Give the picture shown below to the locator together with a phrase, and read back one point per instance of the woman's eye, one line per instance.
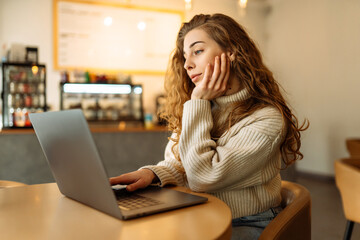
(197, 52)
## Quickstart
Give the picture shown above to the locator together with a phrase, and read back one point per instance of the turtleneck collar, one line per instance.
(236, 97)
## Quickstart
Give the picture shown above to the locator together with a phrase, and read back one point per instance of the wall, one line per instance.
(253, 20)
(30, 22)
(313, 49)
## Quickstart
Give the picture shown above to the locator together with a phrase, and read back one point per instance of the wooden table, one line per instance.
(6, 184)
(42, 212)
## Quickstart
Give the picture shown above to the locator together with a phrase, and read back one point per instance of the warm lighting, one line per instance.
(108, 21)
(188, 4)
(34, 69)
(141, 26)
(137, 90)
(122, 125)
(242, 3)
(97, 88)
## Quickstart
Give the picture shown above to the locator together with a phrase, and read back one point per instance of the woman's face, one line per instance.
(199, 50)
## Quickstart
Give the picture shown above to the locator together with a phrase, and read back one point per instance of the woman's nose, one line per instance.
(188, 64)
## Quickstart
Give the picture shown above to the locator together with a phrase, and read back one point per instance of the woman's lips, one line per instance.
(195, 77)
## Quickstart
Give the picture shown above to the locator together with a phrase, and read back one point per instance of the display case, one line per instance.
(104, 102)
(24, 92)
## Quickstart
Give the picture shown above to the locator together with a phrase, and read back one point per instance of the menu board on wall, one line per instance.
(99, 36)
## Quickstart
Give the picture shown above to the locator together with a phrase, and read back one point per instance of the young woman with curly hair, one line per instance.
(230, 124)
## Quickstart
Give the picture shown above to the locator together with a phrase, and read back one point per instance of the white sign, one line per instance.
(133, 40)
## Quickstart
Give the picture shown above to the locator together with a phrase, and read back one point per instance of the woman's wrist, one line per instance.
(153, 177)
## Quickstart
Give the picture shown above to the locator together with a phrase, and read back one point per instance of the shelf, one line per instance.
(24, 92)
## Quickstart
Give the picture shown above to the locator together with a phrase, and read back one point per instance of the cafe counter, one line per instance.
(121, 148)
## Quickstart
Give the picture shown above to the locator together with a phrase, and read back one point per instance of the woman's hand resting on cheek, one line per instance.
(214, 82)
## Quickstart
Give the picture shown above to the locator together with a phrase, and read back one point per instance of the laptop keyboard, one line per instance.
(131, 201)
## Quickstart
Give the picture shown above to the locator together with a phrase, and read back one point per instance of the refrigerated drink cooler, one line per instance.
(103, 102)
(24, 92)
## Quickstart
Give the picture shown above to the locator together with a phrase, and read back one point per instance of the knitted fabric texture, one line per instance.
(242, 167)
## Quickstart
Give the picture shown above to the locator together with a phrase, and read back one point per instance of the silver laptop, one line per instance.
(72, 155)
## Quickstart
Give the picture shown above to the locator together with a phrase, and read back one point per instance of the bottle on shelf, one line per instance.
(23, 93)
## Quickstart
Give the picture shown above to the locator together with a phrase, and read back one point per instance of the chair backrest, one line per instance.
(347, 177)
(353, 146)
(294, 221)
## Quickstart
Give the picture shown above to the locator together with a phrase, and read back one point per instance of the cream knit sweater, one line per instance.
(241, 168)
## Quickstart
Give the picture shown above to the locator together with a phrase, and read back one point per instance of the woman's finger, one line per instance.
(140, 183)
(223, 72)
(207, 76)
(122, 179)
(216, 73)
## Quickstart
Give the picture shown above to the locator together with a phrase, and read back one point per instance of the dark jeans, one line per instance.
(250, 227)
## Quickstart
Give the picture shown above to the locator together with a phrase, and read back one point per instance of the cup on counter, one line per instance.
(148, 120)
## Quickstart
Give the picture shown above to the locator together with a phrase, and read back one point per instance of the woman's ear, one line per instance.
(231, 56)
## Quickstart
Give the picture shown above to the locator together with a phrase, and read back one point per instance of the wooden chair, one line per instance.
(347, 177)
(7, 184)
(353, 146)
(294, 221)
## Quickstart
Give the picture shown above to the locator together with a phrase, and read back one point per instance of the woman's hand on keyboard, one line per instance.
(135, 180)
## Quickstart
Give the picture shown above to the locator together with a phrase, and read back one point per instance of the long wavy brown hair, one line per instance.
(248, 67)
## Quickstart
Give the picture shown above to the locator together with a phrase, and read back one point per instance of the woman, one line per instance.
(231, 125)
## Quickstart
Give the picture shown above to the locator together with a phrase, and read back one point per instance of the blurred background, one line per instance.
(312, 47)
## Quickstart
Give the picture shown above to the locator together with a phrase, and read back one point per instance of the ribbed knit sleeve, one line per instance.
(170, 170)
(236, 159)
